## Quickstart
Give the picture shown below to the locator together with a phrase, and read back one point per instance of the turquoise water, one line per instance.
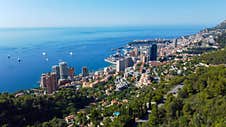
(89, 46)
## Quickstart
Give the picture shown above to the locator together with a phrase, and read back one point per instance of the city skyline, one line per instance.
(112, 63)
(24, 13)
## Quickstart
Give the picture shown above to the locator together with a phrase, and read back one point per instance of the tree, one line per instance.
(55, 122)
(154, 116)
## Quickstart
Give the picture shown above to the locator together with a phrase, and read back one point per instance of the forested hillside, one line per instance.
(33, 110)
(201, 102)
(217, 57)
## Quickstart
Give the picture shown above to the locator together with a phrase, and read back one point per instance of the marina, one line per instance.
(39, 49)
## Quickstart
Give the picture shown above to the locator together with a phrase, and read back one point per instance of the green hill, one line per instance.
(201, 102)
(217, 57)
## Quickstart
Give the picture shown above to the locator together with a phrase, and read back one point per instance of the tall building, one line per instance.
(49, 82)
(63, 70)
(43, 81)
(56, 69)
(129, 62)
(176, 43)
(71, 72)
(120, 65)
(85, 71)
(144, 58)
(136, 51)
(153, 52)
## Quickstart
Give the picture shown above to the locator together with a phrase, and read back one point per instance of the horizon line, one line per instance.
(95, 26)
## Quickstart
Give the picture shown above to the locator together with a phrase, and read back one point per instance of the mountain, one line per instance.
(222, 25)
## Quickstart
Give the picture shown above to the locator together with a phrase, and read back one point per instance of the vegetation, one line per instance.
(33, 110)
(201, 102)
(199, 50)
(222, 40)
(217, 57)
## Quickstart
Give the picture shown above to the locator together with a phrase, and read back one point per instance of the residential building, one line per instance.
(56, 69)
(129, 62)
(49, 82)
(71, 72)
(153, 52)
(63, 70)
(120, 65)
(85, 72)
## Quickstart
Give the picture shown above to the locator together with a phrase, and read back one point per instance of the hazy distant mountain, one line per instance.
(221, 25)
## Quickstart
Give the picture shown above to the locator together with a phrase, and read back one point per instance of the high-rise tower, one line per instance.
(153, 52)
(63, 70)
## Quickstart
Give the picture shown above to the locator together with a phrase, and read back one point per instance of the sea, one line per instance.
(41, 48)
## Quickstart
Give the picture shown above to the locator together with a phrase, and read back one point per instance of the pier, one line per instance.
(148, 42)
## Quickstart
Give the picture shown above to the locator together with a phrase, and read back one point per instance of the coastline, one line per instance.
(70, 60)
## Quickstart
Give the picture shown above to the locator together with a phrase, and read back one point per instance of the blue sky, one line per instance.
(59, 13)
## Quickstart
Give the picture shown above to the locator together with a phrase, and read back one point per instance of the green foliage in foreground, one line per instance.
(33, 110)
(201, 102)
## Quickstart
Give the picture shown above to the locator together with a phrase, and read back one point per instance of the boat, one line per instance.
(113, 58)
(110, 61)
(18, 59)
(9, 56)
